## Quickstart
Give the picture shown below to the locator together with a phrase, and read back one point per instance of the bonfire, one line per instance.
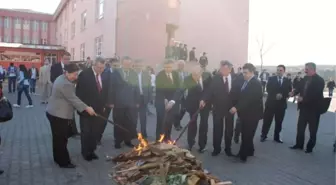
(160, 163)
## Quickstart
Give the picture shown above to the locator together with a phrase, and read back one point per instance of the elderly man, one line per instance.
(45, 81)
(310, 104)
(222, 93)
(195, 85)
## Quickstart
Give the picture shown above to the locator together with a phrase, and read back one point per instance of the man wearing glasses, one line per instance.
(279, 89)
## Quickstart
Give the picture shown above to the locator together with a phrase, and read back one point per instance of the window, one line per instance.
(44, 26)
(26, 25)
(60, 20)
(60, 40)
(82, 51)
(65, 14)
(73, 5)
(6, 38)
(83, 21)
(65, 34)
(6, 22)
(36, 25)
(73, 29)
(98, 45)
(26, 39)
(17, 23)
(72, 51)
(34, 41)
(17, 39)
(100, 9)
(44, 41)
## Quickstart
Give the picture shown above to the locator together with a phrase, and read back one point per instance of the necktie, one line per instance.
(99, 87)
(126, 75)
(226, 84)
(170, 77)
(279, 80)
(244, 86)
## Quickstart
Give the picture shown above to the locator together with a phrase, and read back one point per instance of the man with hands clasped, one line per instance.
(278, 88)
(250, 110)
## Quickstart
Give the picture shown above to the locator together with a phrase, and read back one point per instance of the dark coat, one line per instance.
(250, 102)
(56, 70)
(273, 88)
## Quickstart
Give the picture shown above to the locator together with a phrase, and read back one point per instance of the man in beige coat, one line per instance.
(45, 81)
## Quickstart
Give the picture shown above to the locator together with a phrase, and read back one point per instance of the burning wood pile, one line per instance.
(160, 163)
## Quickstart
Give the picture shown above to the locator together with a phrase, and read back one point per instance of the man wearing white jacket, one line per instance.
(45, 81)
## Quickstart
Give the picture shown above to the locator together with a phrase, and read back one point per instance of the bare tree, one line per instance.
(263, 50)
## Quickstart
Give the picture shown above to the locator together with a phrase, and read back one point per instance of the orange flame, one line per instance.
(161, 138)
(143, 144)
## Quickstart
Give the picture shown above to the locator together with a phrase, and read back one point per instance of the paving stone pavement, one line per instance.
(26, 155)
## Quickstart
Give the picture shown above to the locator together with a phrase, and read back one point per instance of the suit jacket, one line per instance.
(87, 91)
(192, 55)
(273, 88)
(45, 74)
(122, 93)
(55, 71)
(195, 92)
(30, 73)
(222, 101)
(250, 102)
(63, 100)
(165, 89)
(146, 85)
(313, 95)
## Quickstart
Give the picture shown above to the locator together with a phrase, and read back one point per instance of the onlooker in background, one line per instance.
(88, 62)
(34, 75)
(192, 55)
(2, 75)
(264, 75)
(184, 52)
(182, 75)
(297, 82)
(331, 86)
(203, 61)
(62, 104)
(152, 75)
(45, 82)
(57, 69)
(12, 76)
(23, 87)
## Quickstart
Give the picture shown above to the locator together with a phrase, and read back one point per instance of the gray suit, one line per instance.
(63, 100)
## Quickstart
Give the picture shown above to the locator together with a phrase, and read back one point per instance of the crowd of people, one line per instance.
(125, 87)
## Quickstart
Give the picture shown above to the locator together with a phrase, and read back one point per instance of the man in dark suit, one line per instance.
(221, 93)
(278, 89)
(106, 78)
(57, 70)
(192, 55)
(195, 85)
(91, 90)
(310, 104)
(144, 87)
(124, 98)
(166, 100)
(250, 110)
(264, 75)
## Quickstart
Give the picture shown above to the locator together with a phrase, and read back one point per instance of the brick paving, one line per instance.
(26, 155)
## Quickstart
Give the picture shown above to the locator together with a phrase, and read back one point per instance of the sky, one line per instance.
(298, 31)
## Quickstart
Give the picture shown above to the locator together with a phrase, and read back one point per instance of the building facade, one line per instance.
(26, 26)
(139, 29)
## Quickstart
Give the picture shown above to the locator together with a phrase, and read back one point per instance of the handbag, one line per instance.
(6, 110)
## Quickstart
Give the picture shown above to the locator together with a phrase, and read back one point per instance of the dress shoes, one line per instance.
(201, 150)
(88, 158)
(178, 128)
(228, 153)
(94, 156)
(263, 138)
(278, 140)
(308, 151)
(117, 145)
(129, 144)
(295, 147)
(1, 172)
(236, 139)
(215, 153)
(70, 165)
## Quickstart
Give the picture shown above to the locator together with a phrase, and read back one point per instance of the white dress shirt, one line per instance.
(200, 82)
(99, 78)
(33, 71)
(140, 83)
(229, 81)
